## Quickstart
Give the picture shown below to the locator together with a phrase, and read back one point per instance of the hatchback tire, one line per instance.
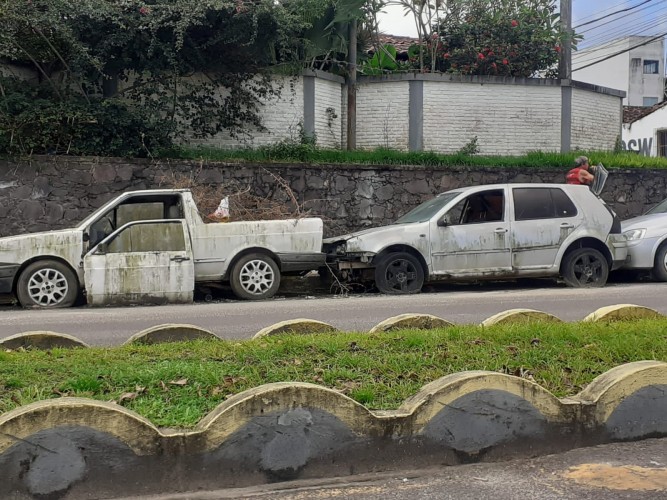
(585, 268)
(660, 267)
(399, 273)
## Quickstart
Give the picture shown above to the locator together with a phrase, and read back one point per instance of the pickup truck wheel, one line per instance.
(254, 277)
(660, 267)
(47, 283)
(399, 273)
(585, 267)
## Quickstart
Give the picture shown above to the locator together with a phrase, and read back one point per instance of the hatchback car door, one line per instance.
(543, 218)
(142, 262)
(472, 237)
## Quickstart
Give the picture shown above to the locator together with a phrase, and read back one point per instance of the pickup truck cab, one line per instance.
(152, 246)
(500, 231)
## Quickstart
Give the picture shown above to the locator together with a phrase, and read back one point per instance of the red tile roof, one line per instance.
(633, 113)
(402, 43)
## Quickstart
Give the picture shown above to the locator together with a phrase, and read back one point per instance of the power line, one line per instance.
(621, 52)
(616, 20)
(601, 42)
(614, 13)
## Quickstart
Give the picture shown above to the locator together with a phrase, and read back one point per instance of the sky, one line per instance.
(648, 19)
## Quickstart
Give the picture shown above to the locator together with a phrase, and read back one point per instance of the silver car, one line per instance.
(647, 241)
(487, 232)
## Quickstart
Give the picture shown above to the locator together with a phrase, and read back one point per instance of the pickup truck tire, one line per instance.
(399, 273)
(585, 268)
(255, 277)
(660, 267)
(47, 283)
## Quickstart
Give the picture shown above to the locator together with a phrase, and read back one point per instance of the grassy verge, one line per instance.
(288, 152)
(175, 385)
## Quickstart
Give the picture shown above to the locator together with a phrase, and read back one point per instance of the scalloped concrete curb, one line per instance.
(410, 320)
(41, 340)
(170, 333)
(623, 312)
(515, 316)
(300, 326)
(88, 449)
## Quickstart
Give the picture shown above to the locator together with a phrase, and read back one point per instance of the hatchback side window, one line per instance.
(542, 203)
(487, 206)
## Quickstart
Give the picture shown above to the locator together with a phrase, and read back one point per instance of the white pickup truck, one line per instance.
(152, 247)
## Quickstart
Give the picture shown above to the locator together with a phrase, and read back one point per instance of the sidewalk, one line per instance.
(616, 471)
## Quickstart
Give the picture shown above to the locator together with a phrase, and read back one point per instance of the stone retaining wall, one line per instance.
(45, 193)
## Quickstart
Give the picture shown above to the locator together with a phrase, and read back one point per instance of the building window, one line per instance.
(650, 101)
(651, 67)
(662, 143)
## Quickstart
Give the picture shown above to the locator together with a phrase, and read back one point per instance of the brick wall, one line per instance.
(596, 120)
(382, 114)
(282, 115)
(328, 113)
(506, 119)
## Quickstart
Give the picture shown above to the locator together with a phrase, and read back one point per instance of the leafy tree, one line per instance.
(162, 61)
(519, 38)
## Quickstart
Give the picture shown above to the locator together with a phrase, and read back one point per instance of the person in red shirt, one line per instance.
(581, 173)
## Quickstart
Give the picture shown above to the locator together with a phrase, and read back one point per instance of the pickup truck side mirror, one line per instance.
(101, 248)
(444, 222)
(86, 237)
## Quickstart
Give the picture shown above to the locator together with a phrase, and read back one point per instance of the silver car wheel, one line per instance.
(47, 287)
(257, 277)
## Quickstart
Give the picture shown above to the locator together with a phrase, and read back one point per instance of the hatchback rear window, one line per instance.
(542, 203)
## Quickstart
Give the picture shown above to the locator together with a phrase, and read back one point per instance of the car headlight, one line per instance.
(634, 234)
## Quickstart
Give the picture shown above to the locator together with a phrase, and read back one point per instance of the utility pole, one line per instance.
(565, 63)
(352, 88)
(565, 75)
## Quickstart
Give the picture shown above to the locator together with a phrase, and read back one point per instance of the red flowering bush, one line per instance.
(485, 37)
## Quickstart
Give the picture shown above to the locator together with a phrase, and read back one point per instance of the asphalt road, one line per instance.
(609, 472)
(241, 320)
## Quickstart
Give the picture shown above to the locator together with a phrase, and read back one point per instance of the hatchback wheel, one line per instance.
(399, 273)
(585, 267)
(660, 267)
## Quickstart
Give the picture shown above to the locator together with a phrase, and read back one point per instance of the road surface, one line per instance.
(241, 320)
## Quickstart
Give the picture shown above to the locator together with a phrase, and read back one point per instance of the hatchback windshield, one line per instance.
(661, 208)
(428, 209)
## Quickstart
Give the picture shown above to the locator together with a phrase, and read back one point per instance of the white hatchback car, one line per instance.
(487, 232)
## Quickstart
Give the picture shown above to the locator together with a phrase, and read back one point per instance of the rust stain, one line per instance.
(627, 477)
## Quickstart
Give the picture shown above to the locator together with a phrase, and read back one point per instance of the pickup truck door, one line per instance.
(472, 238)
(144, 262)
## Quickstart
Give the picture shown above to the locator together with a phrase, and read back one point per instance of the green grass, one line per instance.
(175, 385)
(305, 153)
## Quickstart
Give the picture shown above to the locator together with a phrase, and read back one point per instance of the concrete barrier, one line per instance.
(170, 333)
(411, 320)
(41, 340)
(79, 448)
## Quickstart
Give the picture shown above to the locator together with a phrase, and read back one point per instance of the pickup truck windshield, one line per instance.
(428, 209)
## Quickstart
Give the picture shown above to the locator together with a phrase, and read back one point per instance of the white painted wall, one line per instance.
(328, 113)
(642, 135)
(507, 119)
(282, 116)
(624, 71)
(382, 115)
(596, 120)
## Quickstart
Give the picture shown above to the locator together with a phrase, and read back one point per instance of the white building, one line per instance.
(639, 70)
(645, 130)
